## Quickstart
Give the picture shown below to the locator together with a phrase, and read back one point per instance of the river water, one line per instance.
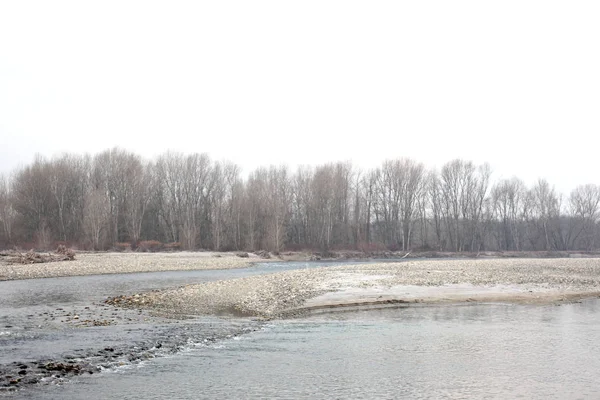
(450, 351)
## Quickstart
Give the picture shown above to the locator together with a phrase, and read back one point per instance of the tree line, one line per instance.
(188, 201)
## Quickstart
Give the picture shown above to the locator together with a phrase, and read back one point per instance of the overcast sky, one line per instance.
(513, 83)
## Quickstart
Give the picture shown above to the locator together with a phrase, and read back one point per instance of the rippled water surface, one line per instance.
(64, 320)
(460, 351)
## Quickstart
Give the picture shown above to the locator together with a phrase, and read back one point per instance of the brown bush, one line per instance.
(33, 257)
(122, 246)
(173, 246)
(263, 254)
(150, 246)
(68, 254)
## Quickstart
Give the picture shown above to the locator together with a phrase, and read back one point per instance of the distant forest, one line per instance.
(118, 200)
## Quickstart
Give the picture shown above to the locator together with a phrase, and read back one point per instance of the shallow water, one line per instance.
(54, 320)
(68, 290)
(481, 351)
(451, 351)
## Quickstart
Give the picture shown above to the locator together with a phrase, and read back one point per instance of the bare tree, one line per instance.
(584, 202)
(225, 206)
(456, 181)
(508, 199)
(7, 212)
(322, 206)
(68, 178)
(140, 188)
(115, 172)
(32, 199)
(412, 192)
(96, 217)
(545, 209)
(464, 189)
(436, 204)
(278, 200)
(185, 187)
(117, 196)
(255, 208)
(368, 190)
(302, 214)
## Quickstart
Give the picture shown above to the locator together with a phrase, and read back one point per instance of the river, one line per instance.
(451, 351)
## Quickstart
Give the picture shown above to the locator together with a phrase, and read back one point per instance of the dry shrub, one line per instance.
(32, 257)
(174, 246)
(122, 246)
(263, 254)
(150, 246)
(69, 254)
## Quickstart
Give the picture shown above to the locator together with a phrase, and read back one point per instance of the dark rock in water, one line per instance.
(29, 380)
(22, 372)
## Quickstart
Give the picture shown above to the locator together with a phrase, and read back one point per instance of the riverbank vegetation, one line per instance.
(117, 200)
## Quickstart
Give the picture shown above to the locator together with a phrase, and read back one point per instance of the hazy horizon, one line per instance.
(512, 84)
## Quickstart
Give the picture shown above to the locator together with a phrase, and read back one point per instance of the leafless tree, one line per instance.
(255, 213)
(436, 204)
(139, 189)
(545, 209)
(225, 206)
(322, 205)
(278, 201)
(96, 217)
(464, 189)
(115, 171)
(7, 212)
(186, 198)
(584, 202)
(32, 199)
(508, 199)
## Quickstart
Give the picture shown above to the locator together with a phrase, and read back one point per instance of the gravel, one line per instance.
(286, 293)
(119, 263)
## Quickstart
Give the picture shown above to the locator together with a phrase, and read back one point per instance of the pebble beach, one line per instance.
(379, 284)
(121, 263)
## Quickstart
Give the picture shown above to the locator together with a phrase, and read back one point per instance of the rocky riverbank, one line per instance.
(428, 281)
(90, 339)
(120, 263)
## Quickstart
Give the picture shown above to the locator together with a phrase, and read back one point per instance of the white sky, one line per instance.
(514, 83)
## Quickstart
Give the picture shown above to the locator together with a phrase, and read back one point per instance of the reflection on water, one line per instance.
(471, 351)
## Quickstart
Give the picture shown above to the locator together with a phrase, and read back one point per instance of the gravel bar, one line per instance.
(428, 281)
(122, 263)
